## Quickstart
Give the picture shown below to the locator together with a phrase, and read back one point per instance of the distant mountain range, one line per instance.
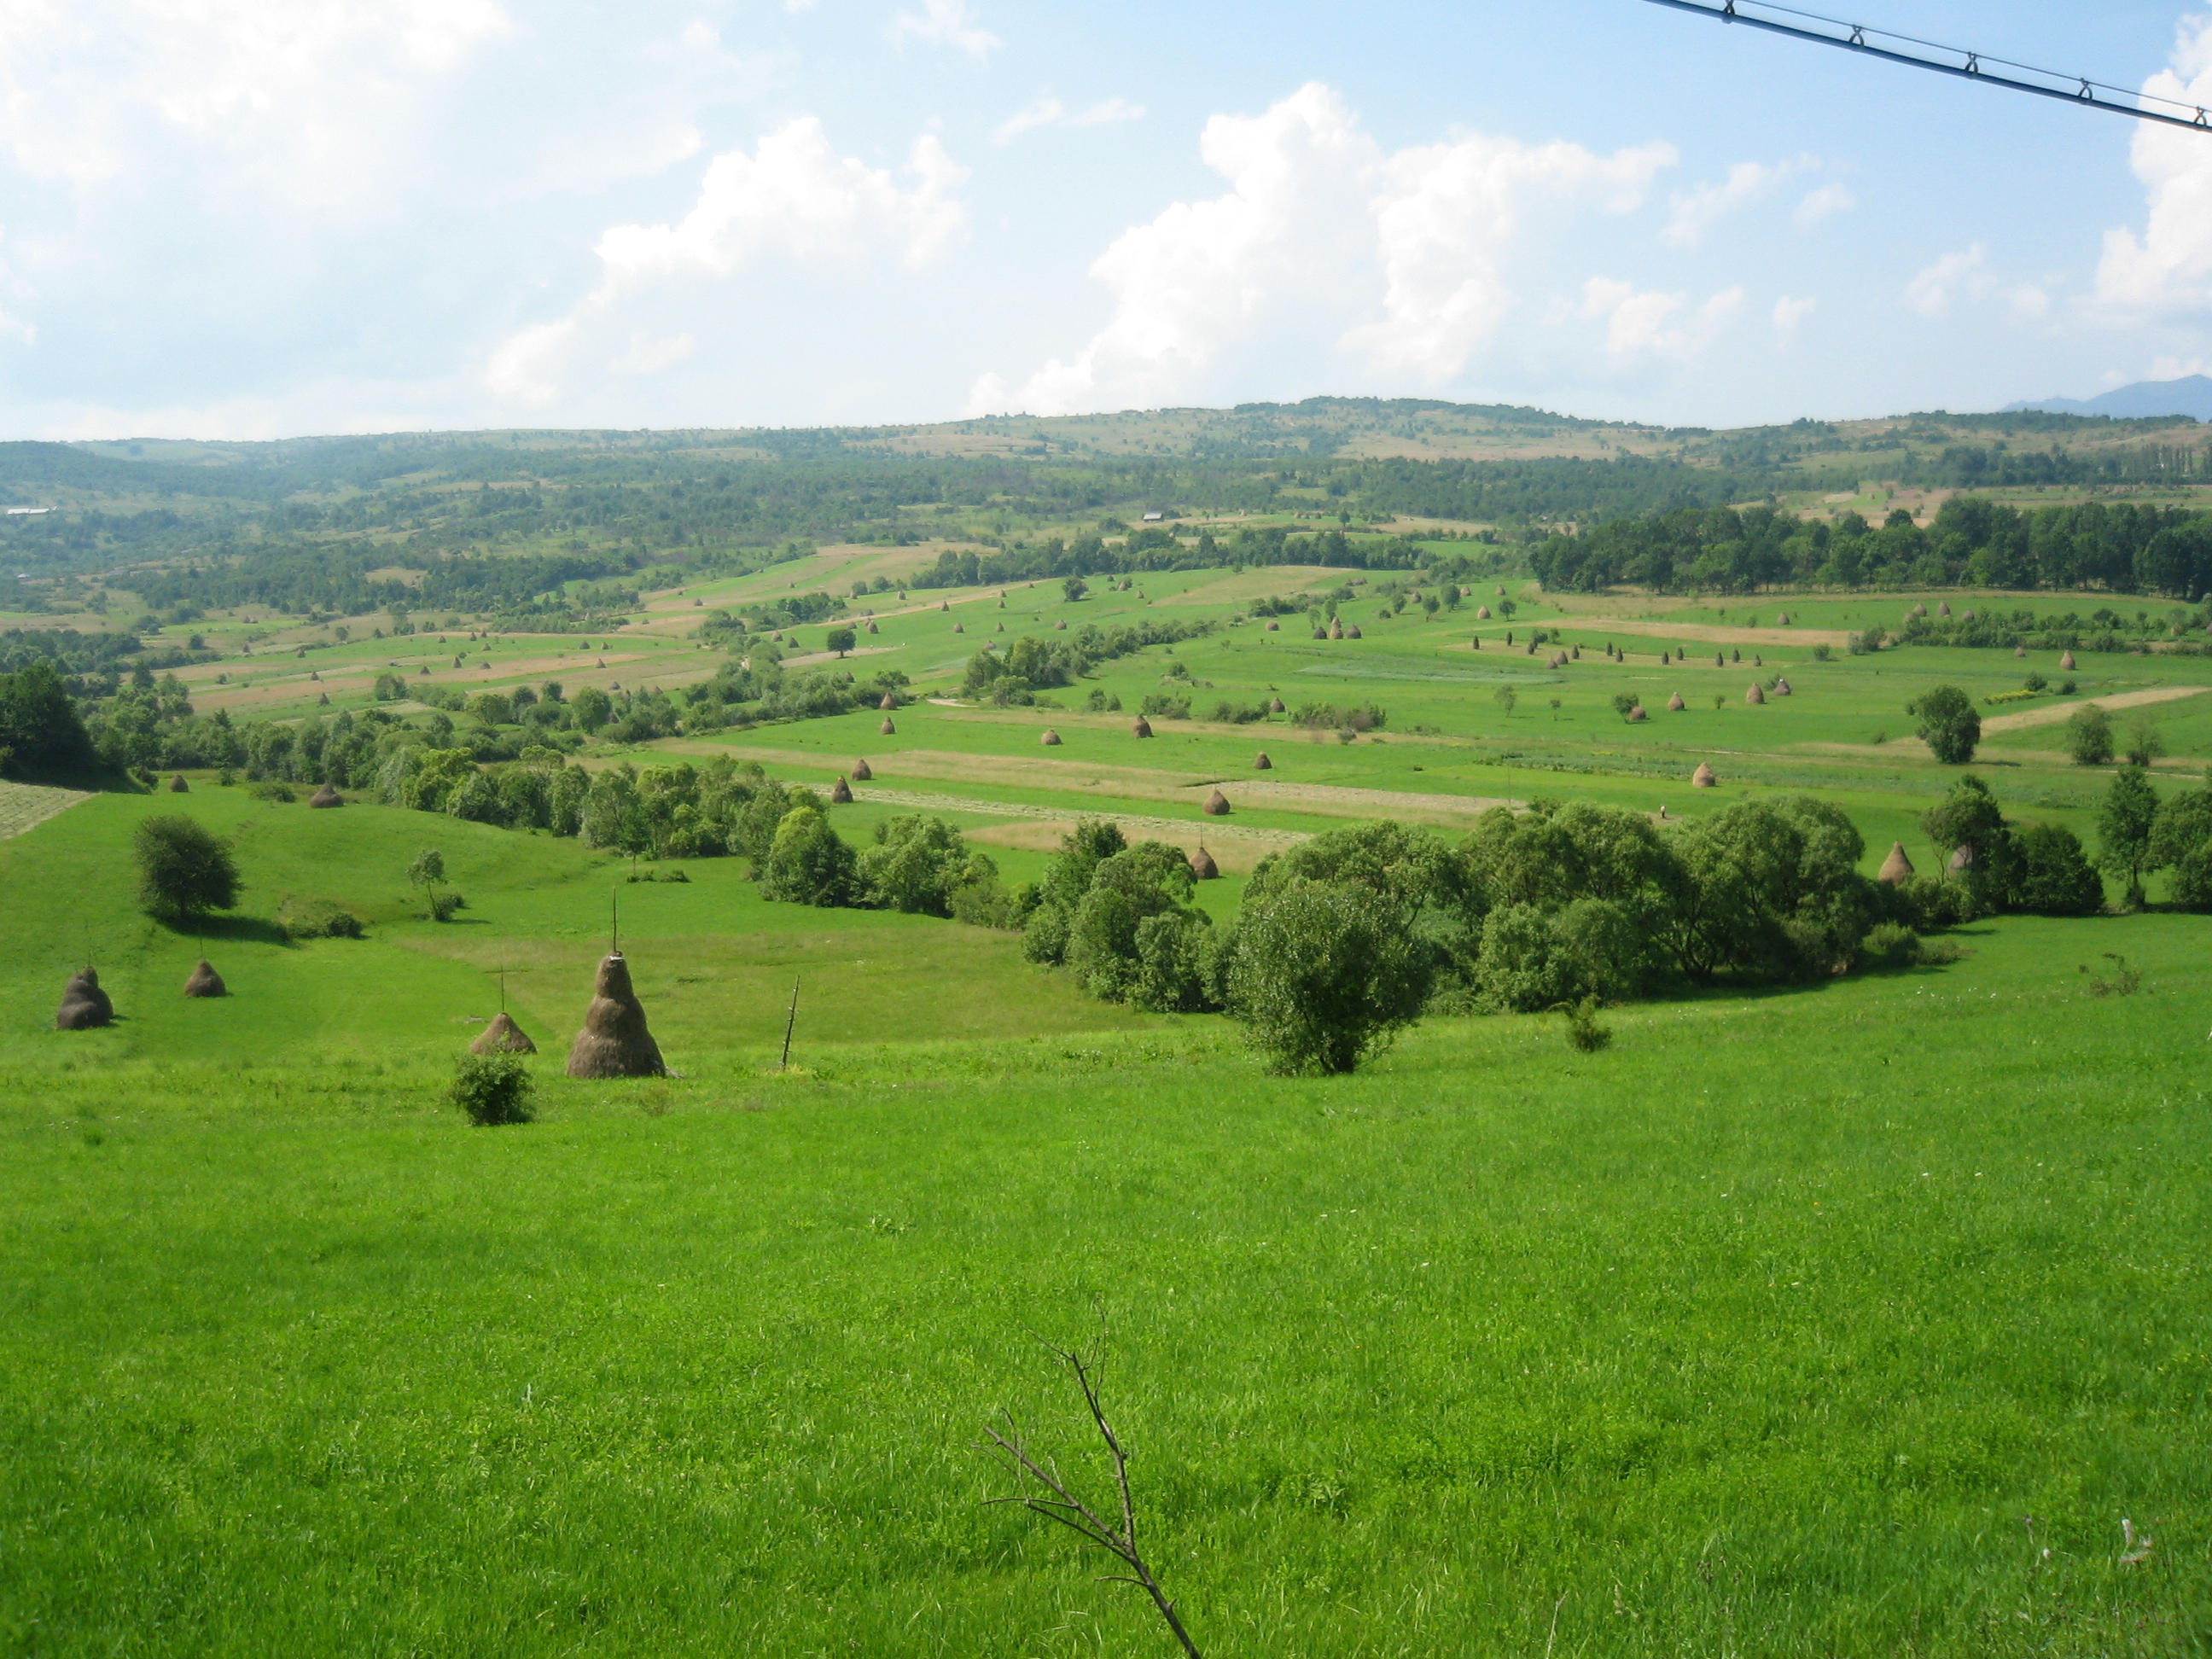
(2192, 395)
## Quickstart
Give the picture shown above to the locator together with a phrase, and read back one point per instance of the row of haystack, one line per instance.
(324, 797)
(86, 1007)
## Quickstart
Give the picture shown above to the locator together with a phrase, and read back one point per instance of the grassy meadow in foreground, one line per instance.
(1847, 1320)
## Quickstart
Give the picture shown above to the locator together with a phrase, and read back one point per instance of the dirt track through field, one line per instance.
(26, 806)
(1711, 633)
(2055, 713)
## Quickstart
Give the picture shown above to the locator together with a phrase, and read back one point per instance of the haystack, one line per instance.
(1336, 628)
(1962, 858)
(1754, 694)
(944, 604)
(1273, 626)
(1050, 740)
(178, 786)
(2066, 661)
(204, 981)
(1202, 864)
(887, 728)
(841, 793)
(1920, 609)
(1001, 628)
(1675, 705)
(1781, 686)
(1143, 728)
(1478, 642)
(322, 701)
(1703, 778)
(84, 1004)
(1482, 613)
(1944, 608)
(1217, 805)
(1060, 627)
(614, 1042)
(862, 770)
(1638, 714)
(326, 796)
(503, 1037)
(872, 628)
(889, 702)
(2019, 650)
(1896, 867)
(1736, 656)
(1352, 632)
(1261, 763)
(1274, 705)
(1720, 659)
(960, 628)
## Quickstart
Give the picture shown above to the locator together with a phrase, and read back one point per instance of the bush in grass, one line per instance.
(2181, 841)
(2057, 878)
(2089, 735)
(1890, 945)
(1321, 979)
(1949, 725)
(184, 870)
(809, 862)
(320, 918)
(1584, 1031)
(919, 866)
(493, 1089)
(1931, 904)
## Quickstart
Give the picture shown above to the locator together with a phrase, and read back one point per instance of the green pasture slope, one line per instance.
(1852, 1319)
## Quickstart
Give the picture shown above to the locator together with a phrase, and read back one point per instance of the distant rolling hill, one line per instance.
(2192, 395)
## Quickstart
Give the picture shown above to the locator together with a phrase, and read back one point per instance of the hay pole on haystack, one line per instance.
(790, 1020)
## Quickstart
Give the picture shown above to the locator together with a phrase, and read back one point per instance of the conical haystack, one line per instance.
(2067, 661)
(887, 729)
(1638, 714)
(944, 604)
(1143, 728)
(1001, 628)
(889, 702)
(1274, 705)
(1943, 609)
(327, 797)
(1920, 609)
(862, 770)
(504, 1036)
(1781, 686)
(178, 786)
(1754, 694)
(872, 628)
(204, 981)
(1720, 659)
(1352, 632)
(84, 1004)
(1049, 740)
(2019, 650)
(1217, 805)
(960, 628)
(1896, 867)
(1203, 866)
(1703, 778)
(1261, 763)
(1482, 613)
(1736, 656)
(1962, 858)
(614, 1042)
(322, 701)
(1757, 661)
(1675, 705)
(841, 793)
(1273, 626)
(1336, 628)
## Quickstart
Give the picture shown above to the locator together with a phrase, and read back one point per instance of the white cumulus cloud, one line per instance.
(1964, 275)
(1825, 202)
(2168, 266)
(1697, 211)
(1640, 321)
(1788, 314)
(1318, 226)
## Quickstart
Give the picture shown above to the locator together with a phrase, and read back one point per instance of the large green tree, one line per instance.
(1320, 978)
(809, 862)
(184, 869)
(1948, 723)
(2125, 823)
(40, 730)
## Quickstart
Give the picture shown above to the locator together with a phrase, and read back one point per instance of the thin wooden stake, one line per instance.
(614, 940)
(790, 1020)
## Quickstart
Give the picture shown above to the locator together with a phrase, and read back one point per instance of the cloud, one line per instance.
(1823, 203)
(1698, 210)
(1318, 226)
(1955, 276)
(1788, 314)
(1636, 322)
(793, 199)
(2168, 267)
(944, 23)
(1051, 112)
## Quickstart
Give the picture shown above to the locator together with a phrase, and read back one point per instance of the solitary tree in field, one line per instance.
(1949, 724)
(1321, 977)
(2089, 735)
(840, 640)
(428, 872)
(2123, 829)
(1505, 698)
(1075, 588)
(183, 869)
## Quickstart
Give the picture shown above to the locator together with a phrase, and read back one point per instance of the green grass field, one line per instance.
(1850, 1319)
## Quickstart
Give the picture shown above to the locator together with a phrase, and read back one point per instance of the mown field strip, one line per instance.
(1163, 828)
(25, 806)
(2054, 713)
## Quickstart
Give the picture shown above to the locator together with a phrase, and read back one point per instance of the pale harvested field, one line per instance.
(600, 668)
(1712, 633)
(26, 806)
(2055, 713)
(1287, 580)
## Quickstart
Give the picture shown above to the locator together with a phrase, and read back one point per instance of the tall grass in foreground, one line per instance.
(1842, 1322)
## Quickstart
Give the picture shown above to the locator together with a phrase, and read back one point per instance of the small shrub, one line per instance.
(272, 792)
(2089, 736)
(2035, 682)
(2123, 981)
(320, 918)
(1582, 1029)
(1821, 654)
(1891, 945)
(443, 905)
(493, 1089)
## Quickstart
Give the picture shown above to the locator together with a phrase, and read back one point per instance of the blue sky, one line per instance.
(262, 217)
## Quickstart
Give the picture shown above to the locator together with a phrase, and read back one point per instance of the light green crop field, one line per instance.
(1849, 1319)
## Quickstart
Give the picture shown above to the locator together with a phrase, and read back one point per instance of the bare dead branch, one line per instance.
(1058, 1502)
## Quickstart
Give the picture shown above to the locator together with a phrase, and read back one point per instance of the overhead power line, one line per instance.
(1949, 60)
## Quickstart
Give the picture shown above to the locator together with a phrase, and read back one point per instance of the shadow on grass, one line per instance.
(255, 930)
